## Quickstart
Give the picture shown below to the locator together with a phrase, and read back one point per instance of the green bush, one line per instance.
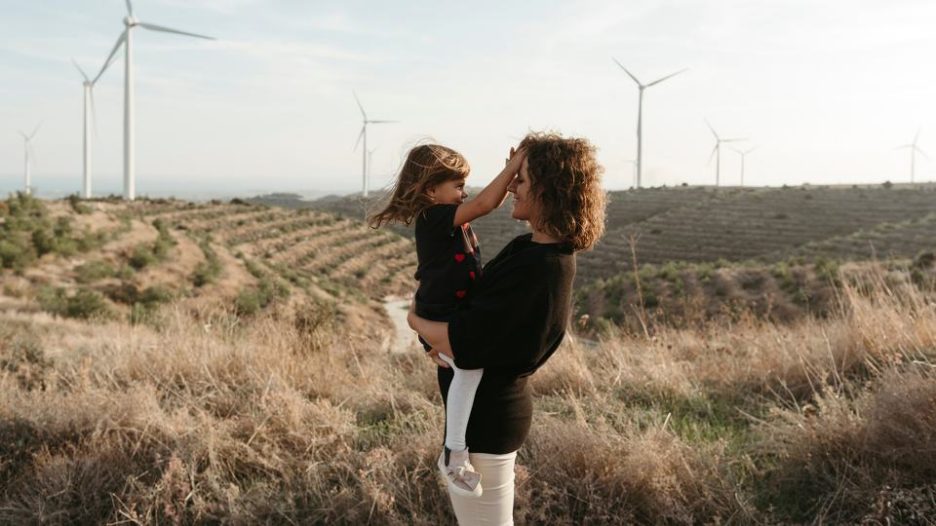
(826, 269)
(209, 270)
(253, 300)
(145, 308)
(79, 208)
(93, 271)
(142, 256)
(84, 304)
(16, 255)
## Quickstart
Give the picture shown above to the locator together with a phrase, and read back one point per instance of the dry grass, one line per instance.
(210, 418)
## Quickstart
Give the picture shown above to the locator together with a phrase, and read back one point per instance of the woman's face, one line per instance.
(524, 206)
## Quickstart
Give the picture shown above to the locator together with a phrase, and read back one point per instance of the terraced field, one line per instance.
(324, 249)
(702, 224)
(120, 259)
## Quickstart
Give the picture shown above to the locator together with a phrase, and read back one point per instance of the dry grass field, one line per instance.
(228, 363)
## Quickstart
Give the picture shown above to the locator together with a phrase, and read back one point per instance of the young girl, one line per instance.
(430, 189)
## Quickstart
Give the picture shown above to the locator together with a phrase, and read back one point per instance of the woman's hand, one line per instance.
(434, 354)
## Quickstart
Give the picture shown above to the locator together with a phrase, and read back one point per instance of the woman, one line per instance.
(519, 312)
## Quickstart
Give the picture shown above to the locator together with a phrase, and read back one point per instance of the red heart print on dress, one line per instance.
(471, 275)
(460, 293)
(459, 257)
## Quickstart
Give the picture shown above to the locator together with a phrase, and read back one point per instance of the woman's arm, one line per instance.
(434, 332)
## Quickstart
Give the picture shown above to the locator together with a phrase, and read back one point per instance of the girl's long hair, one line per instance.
(426, 166)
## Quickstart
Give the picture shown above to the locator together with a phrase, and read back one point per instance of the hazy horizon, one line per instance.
(827, 92)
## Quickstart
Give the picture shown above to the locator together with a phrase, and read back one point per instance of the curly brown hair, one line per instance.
(426, 166)
(565, 180)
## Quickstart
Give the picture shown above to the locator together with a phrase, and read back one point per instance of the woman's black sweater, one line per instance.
(515, 320)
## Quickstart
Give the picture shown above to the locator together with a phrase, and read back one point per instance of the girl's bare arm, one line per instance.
(493, 194)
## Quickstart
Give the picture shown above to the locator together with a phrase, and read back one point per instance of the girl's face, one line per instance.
(449, 193)
(524, 206)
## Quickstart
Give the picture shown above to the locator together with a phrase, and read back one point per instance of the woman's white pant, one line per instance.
(495, 506)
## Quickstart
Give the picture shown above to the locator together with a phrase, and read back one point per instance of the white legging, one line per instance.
(495, 506)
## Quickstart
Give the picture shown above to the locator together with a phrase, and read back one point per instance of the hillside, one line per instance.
(113, 259)
(704, 224)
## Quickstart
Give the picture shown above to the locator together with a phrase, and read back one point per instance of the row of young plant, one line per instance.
(685, 294)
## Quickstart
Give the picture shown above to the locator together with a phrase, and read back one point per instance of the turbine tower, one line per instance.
(363, 135)
(29, 154)
(641, 87)
(88, 86)
(914, 149)
(370, 162)
(633, 164)
(743, 154)
(716, 151)
(126, 39)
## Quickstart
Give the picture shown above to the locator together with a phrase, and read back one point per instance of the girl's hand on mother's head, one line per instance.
(434, 354)
(516, 159)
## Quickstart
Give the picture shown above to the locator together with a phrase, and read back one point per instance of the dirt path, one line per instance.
(404, 338)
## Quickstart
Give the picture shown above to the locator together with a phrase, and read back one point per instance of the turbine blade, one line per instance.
(712, 155)
(111, 60)
(35, 131)
(120, 41)
(359, 137)
(916, 137)
(129, 8)
(736, 139)
(381, 122)
(80, 70)
(361, 107)
(154, 27)
(751, 150)
(904, 146)
(671, 75)
(921, 152)
(707, 123)
(628, 72)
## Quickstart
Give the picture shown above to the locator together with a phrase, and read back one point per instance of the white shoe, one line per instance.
(460, 475)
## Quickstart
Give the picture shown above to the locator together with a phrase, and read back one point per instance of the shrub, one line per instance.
(77, 206)
(93, 271)
(144, 309)
(16, 255)
(207, 271)
(84, 304)
(924, 260)
(253, 300)
(142, 257)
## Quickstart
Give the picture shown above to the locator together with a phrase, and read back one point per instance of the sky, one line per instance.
(825, 90)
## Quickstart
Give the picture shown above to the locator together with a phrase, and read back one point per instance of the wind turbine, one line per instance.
(641, 87)
(743, 153)
(914, 149)
(88, 85)
(29, 154)
(633, 164)
(363, 135)
(126, 39)
(716, 151)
